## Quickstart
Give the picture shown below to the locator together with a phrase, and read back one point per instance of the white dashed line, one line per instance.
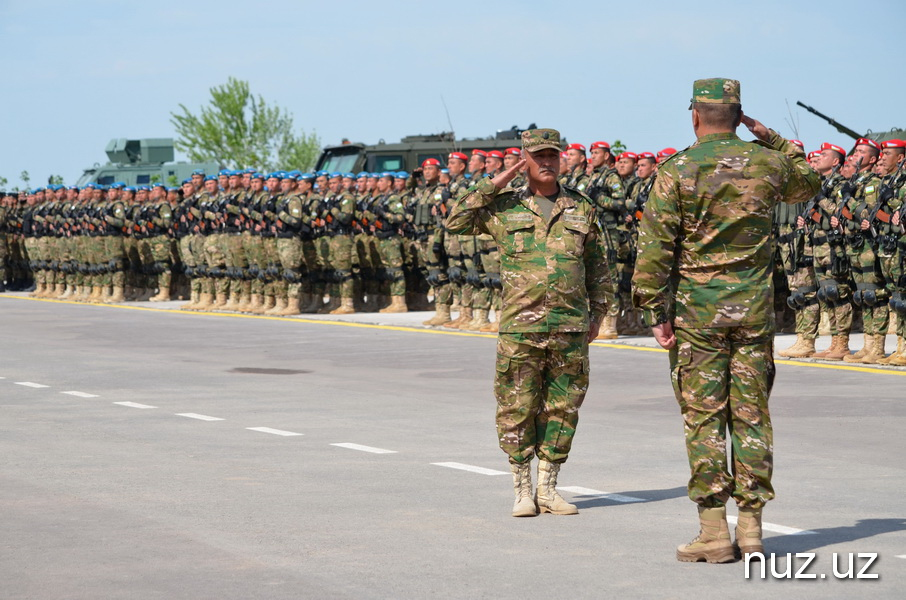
(274, 431)
(199, 417)
(80, 394)
(30, 384)
(585, 493)
(134, 405)
(900, 556)
(777, 528)
(362, 448)
(470, 468)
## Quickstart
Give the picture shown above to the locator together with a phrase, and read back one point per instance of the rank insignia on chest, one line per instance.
(518, 217)
(567, 218)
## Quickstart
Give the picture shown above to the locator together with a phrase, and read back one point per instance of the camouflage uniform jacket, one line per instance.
(554, 274)
(706, 232)
(577, 179)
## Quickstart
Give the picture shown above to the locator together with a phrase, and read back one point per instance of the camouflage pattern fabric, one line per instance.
(540, 384)
(722, 377)
(546, 268)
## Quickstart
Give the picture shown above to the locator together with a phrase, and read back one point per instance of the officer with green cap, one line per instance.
(703, 283)
(554, 283)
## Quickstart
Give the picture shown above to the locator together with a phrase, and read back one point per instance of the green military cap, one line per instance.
(539, 139)
(716, 90)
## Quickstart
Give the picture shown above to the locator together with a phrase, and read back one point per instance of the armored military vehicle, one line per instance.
(879, 136)
(409, 153)
(142, 162)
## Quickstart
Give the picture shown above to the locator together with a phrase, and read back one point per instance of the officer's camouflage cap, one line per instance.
(716, 90)
(539, 139)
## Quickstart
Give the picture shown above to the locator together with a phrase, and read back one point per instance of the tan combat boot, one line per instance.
(291, 308)
(524, 506)
(397, 305)
(804, 348)
(205, 302)
(255, 305)
(491, 327)
(608, 329)
(898, 358)
(106, 294)
(59, 291)
(794, 348)
(163, 295)
(68, 292)
(465, 316)
(835, 343)
(875, 352)
(748, 532)
(116, 296)
(232, 303)
(220, 301)
(478, 321)
(441, 315)
(546, 496)
(193, 301)
(857, 356)
(39, 288)
(277, 308)
(347, 307)
(713, 541)
(245, 301)
(269, 303)
(842, 350)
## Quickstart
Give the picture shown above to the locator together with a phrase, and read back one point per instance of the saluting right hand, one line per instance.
(504, 177)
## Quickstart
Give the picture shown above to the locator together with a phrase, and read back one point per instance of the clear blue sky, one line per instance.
(80, 73)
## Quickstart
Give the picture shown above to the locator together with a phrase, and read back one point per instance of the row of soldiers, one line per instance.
(282, 243)
(844, 252)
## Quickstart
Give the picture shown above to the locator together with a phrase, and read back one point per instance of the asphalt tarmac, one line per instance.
(152, 453)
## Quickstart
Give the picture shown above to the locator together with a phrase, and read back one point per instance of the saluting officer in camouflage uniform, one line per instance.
(554, 275)
(703, 281)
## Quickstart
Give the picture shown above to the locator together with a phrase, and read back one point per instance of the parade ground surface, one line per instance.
(153, 453)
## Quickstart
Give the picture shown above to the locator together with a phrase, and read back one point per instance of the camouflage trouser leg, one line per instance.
(114, 251)
(4, 258)
(392, 258)
(841, 320)
(215, 258)
(313, 283)
(722, 378)
(540, 384)
(341, 251)
(236, 261)
(272, 259)
(204, 284)
(375, 284)
(431, 261)
(159, 251)
(290, 252)
(866, 273)
(187, 258)
(253, 248)
(808, 317)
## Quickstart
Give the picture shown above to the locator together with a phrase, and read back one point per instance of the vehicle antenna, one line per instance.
(449, 122)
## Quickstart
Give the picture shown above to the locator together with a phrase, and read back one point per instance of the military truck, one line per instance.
(879, 136)
(142, 162)
(409, 153)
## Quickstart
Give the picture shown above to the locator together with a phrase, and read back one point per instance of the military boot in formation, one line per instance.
(838, 350)
(465, 316)
(117, 295)
(205, 302)
(713, 541)
(347, 307)
(163, 295)
(278, 307)
(397, 305)
(441, 315)
(524, 506)
(546, 496)
(803, 348)
(898, 358)
(479, 320)
(608, 329)
(748, 532)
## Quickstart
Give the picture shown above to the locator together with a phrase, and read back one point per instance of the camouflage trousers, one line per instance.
(540, 384)
(892, 271)
(291, 260)
(867, 276)
(722, 378)
(4, 258)
(215, 258)
(803, 283)
(841, 315)
(341, 252)
(392, 258)
(486, 296)
(430, 260)
(615, 252)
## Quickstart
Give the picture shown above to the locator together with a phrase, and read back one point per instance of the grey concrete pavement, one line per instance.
(108, 500)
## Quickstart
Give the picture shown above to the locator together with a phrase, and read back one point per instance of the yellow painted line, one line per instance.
(812, 365)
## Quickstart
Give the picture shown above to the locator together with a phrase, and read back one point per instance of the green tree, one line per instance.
(617, 148)
(25, 177)
(3, 181)
(238, 129)
(55, 180)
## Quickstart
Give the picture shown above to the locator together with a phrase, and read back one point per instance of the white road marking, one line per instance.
(199, 417)
(80, 394)
(900, 556)
(777, 528)
(134, 405)
(30, 384)
(371, 449)
(274, 431)
(590, 494)
(470, 468)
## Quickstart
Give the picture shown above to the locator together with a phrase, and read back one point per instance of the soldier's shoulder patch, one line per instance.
(574, 218)
(869, 189)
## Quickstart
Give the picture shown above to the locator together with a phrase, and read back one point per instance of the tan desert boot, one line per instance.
(713, 541)
(748, 532)
(546, 496)
(524, 506)
(347, 307)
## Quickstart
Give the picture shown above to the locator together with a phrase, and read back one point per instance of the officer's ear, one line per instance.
(696, 119)
(738, 119)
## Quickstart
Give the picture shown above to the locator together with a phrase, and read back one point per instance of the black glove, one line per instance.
(473, 278)
(433, 277)
(455, 274)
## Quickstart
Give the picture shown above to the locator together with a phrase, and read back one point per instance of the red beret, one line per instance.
(481, 153)
(868, 142)
(835, 148)
(458, 155)
(515, 151)
(647, 155)
(629, 155)
(563, 155)
(812, 154)
(893, 144)
(495, 154)
(603, 145)
(798, 143)
(430, 161)
(668, 151)
(578, 147)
